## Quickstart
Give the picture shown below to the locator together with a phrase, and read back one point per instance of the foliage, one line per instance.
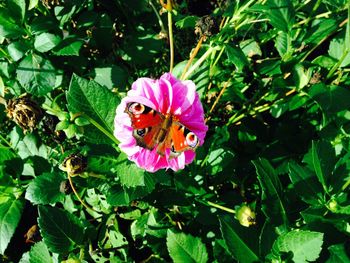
(274, 82)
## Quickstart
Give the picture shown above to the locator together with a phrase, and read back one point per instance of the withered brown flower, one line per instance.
(75, 164)
(206, 26)
(25, 112)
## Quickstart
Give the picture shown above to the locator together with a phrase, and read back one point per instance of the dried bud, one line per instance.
(245, 216)
(65, 187)
(75, 164)
(206, 26)
(33, 234)
(51, 3)
(25, 112)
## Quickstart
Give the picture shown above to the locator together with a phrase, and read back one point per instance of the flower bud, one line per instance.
(75, 164)
(245, 216)
(25, 112)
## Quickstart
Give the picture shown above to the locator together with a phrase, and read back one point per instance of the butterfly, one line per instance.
(153, 129)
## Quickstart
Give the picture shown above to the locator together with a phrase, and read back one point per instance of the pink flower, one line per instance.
(154, 103)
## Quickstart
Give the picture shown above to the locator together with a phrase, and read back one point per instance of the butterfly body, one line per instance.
(153, 129)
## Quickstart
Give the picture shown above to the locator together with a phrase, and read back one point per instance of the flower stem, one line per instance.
(224, 208)
(77, 195)
(193, 55)
(171, 40)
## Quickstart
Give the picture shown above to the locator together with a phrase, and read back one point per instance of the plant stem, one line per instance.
(224, 208)
(171, 40)
(199, 62)
(162, 28)
(193, 55)
(98, 126)
(77, 195)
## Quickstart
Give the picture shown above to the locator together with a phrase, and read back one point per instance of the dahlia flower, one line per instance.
(160, 123)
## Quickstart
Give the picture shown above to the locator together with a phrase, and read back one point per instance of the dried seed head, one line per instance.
(25, 112)
(245, 216)
(206, 26)
(75, 164)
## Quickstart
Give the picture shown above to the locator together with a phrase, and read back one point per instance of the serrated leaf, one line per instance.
(29, 146)
(111, 77)
(45, 189)
(235, 244)
(186, 248)
(237, 57)
(305, 245)
(272, 192)
(82, 98)
(129, 174)
(17, 50)
(46, 41)
(37, 254)
(338, 254)
(10, 214)
(36, 75)
(61, 231)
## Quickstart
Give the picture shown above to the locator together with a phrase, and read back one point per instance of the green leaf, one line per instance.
(17, 50)
(235, 243)
(89, 98)
(129, 174)
(187, 22)
(61, 231)
(68, 47)
(321, 159)
(237, 57)
(111, 77)
(305, 245)
(17, 8)
(29, 146)
(186, 248)
(272, 192)
(37, 254)
(8, 26)
(281, 14)
(10, 214)
(36, 75)
(338, 254)
(338, 50)
(46, 41)
(45, 189)
(305, 183)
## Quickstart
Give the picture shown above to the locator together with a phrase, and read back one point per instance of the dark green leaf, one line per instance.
(45, 189)
(338, 254)
(187, 22)
(305, 183)
(61, 231)
(235, 243)
(68, 47)
(36, 75)
(17, 8)
(10, 214)
(272, 192)
(186, 248)
(8, 26)
(237, 57)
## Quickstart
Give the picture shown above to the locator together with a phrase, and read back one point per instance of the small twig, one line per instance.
(193, 55)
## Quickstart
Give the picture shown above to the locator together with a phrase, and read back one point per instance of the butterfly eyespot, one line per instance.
(191, 139)
(142, 132)
(136, 108)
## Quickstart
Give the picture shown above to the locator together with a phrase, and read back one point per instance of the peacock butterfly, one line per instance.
(154, 129)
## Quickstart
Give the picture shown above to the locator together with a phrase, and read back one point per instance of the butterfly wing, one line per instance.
(182, 139)
(146, 123)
